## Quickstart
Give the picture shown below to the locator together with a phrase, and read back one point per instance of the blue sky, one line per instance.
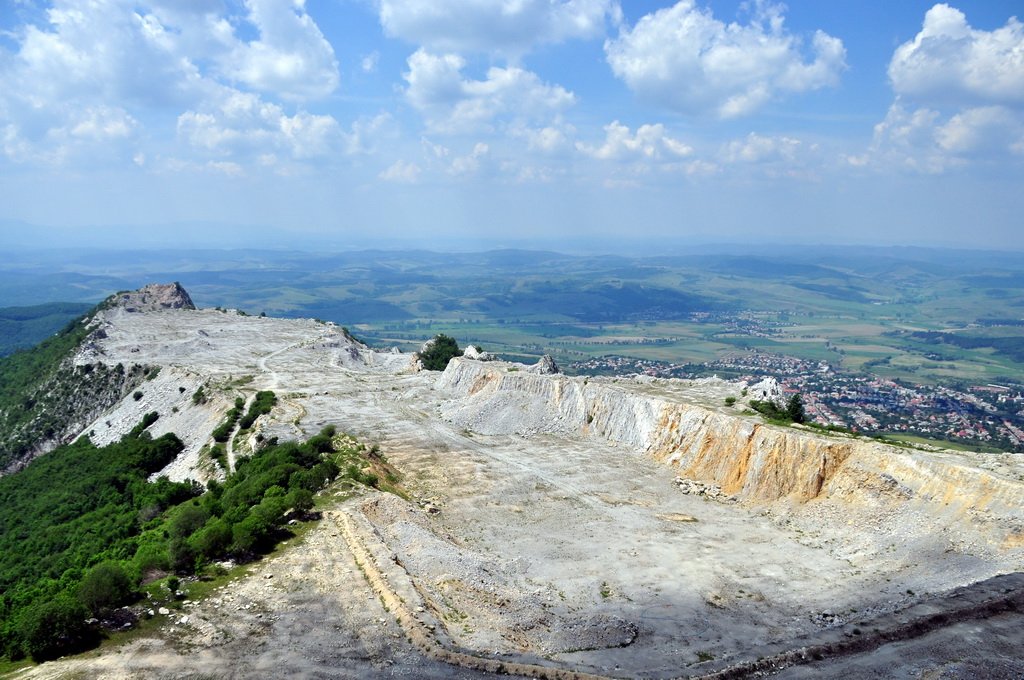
(515, 121)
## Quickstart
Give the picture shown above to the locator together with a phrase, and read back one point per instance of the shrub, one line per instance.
(729, 401)
(152, 557)
(769, 410)
(213, 539)
(147, 420)
(104, 586)
(187, 520)
(299, 500)
(264, 401)
(183, 556)
(437, 355)
(218, 454)
(55, 627)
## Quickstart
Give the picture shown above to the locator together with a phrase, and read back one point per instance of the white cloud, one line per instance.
(648, 143)
(928, 141)
(756, 148)
(470, 163)
(401, 171)
(959, 97)
(103, 70)
(948, 62)
(435, 150)
(369, 63)
(550, 139)
(226, 167)
(291, 59)
(684, 58)
(243, 126)
(773, 156)
(982, 130)
(508, 27)
(102, 124)
(452, 103)
(366, 131)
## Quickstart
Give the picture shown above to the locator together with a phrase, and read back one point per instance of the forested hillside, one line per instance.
(81, 529)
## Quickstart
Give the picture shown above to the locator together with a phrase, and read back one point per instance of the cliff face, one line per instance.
(752, 461)
(749, 460)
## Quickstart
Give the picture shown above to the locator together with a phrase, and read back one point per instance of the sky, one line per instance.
(519, 122)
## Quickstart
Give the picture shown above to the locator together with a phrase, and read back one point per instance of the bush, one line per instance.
(147, 420)
(104, 586)
(769, 410)
(188, 519)
(440, 351)
(299, 500)
(152, 557)
(213, 539)
(183, 556)
(792, 412)
(729, 401)
(220, 455)
(252, 534)
(55, 627)
(264, 401)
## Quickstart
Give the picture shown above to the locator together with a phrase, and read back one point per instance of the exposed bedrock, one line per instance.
(755, 463)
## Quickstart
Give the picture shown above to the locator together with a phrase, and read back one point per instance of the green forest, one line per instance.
(82, 528)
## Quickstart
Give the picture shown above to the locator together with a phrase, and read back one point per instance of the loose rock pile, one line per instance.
(699, 488)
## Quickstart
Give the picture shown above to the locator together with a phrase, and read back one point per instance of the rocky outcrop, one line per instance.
(154, 297)
(768, 389)
(545, 366)
(474, 352)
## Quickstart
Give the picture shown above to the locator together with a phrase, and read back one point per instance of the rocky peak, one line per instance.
(154, 297)
(545, 366)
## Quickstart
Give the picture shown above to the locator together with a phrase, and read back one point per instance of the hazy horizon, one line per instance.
(529, 123)
(223, 237)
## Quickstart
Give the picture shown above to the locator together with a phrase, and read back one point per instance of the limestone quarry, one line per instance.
(568, 527)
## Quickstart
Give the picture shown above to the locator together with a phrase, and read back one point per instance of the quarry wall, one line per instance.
(752, 461)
